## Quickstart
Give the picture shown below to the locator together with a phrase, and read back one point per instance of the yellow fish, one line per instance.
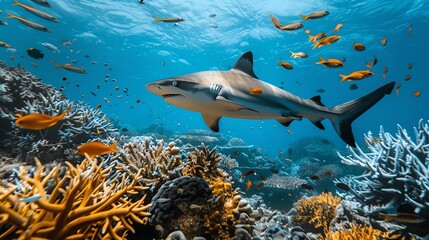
(285, 65)
(38, 121)
(358, 75)
(71, 68)
(326, 41)
(248, 185)
(331, 63)
(96, 148)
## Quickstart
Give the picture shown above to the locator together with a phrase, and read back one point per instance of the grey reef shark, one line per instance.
(217, 94)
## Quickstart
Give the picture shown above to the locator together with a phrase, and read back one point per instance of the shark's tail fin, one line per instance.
(347, 112)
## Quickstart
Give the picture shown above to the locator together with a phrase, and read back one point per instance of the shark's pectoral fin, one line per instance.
(285, 121)
(233, 106)
(212, 121)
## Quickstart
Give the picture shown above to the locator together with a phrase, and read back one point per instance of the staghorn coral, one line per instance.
(156, 163)
(204, 163)
(315, 214)
(83, 204)
(356, 231)
(396, 170)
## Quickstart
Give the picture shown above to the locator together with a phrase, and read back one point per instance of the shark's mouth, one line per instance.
(171, 95)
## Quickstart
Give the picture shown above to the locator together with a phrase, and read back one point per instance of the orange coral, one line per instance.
(316, 213)
(358, 232)
(83, 204)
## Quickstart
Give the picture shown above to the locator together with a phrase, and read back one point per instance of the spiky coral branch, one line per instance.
(81, 205)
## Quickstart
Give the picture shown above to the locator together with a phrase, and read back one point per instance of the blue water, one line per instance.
(123, 35)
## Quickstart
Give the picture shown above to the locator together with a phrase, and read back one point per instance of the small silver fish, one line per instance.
(162, 200)
(3, 22)
(292, 26)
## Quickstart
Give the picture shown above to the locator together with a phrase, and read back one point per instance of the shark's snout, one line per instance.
(154, 88)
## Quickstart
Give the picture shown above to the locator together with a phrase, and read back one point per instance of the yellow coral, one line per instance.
(316, 212)
(360, 232)
(83, 204)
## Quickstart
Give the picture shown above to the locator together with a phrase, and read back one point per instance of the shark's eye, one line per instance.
(174, 83)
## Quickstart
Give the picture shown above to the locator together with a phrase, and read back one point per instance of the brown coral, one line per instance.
(315, 214)
(83, 204)
(204, 163)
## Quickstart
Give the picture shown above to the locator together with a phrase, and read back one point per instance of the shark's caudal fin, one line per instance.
(347, 112)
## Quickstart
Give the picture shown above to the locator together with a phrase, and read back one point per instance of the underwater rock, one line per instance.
(396, 172)
(174, 206)
(241, 234)
(176, 235)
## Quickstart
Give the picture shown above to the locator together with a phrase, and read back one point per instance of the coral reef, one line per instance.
(30, 95)
(204, 163)
(180, 205)
(355, 231)
(155, 163)
(315, 214)
(396, 171)
(82, 204)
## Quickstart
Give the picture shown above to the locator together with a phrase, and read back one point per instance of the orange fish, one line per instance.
(316, 37)
(338, 27)
(358, 75)
(96, 148)
(359, 47)
(285, 65)
(408, 77)
(398, 86)
(38, 121)
(383, 41)
(275, 22)
(331, 63)
(326, 41)
(410, 65)
(417, 94)
(255, 91)
(248, 185)
(385, 69)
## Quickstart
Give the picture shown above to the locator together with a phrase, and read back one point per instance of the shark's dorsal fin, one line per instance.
(317, 99)
(212, 121)
(245, 64)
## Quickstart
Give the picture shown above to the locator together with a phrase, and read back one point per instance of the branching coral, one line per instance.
(83, 204)
(396, 169)
(315, 214)
(156, 163)
(356, 231)
(204, 163)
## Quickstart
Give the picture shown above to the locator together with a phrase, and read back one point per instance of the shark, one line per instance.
(228, 93)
